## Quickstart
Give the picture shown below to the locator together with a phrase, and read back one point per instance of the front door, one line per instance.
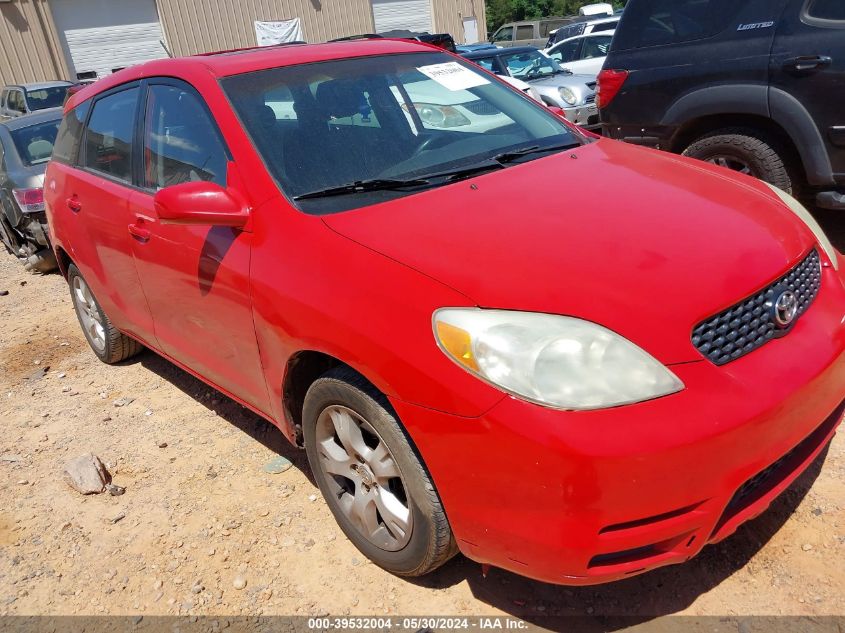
(196, 278)
(808, 62)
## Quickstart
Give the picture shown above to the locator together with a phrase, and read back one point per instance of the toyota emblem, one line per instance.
(785, 309)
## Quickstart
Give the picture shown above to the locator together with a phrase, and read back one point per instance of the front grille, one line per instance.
(744, 327)
(481, 108)
(590, 98)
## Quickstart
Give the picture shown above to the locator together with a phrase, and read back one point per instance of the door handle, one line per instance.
(74, 204)
(139, 233)
(808, 63)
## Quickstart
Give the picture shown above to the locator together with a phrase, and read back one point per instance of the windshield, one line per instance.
(530, 65)
(35, 143)
(44, 98)
(395, 124)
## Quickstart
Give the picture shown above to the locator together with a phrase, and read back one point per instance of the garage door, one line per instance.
(100, 37)
(411, 15)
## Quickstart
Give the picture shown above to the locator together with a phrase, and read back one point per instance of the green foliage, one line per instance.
(501, 11)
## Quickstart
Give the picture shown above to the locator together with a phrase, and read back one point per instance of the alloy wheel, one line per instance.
(364, 477)
(731, 162)
(89, 314)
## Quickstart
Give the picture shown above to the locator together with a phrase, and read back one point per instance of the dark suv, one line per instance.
(753, 85)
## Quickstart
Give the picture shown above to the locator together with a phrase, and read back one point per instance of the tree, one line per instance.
(501, 11)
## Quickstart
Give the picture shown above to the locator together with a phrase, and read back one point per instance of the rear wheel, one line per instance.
(371, 478)
(746, 151)
(109, 344)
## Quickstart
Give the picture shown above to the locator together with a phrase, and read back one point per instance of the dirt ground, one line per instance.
(200, 511)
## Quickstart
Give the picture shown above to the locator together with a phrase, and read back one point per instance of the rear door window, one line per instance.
(108, 139)
(525, 32)
(658, 22)
(596, 47)
(66, 148)
(826, 10)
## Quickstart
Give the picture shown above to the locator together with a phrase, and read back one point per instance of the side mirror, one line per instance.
(558, 111)
(200, 203)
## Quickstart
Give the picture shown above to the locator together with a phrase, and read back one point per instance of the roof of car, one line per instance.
(40, 116)
(500, 51)
(236, 62)
(39, 85)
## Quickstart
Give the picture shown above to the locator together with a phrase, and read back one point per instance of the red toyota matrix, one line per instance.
(568, 357)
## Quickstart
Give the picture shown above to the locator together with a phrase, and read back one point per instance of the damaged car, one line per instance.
(27, 144)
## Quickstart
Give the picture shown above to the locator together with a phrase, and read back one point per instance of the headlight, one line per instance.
(568, 96)
(798, 209)
(439, 115)
(555, 361)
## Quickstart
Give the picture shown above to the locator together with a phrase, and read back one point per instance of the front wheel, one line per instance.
(109, 344)
(371, 478)
(746, 151)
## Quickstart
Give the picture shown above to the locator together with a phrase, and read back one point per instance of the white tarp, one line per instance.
(269, 33)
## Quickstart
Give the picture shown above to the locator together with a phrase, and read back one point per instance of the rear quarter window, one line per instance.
(660, 22)
(825, 11)
(66, 147)
(525, 32)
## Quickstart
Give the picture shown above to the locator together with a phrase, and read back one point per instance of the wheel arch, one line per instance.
(63, 259)
(755, 106)
(301, 370)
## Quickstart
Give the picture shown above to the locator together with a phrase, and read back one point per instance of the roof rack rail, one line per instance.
(250, 48)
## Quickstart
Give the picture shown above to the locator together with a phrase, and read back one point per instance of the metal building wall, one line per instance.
(449, 14)
(194, 26)
(29, 48)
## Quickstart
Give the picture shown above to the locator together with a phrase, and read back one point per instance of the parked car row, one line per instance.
(753, 86)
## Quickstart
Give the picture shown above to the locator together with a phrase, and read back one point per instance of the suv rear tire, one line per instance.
(746, 151)
(108, 343)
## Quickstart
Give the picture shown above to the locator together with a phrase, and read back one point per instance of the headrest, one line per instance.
(340, 98)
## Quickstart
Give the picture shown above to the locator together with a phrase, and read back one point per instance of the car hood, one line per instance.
(564, 80)
(642, 242)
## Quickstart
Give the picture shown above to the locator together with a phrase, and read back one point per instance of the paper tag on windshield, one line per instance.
(453, 76)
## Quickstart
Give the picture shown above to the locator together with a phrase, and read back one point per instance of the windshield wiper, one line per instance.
(361, 186)
(453, 175)
(509, 157)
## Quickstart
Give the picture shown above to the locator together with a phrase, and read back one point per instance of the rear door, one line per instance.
(808, 62)
(195, 277)
(91, 199)
(672, 48)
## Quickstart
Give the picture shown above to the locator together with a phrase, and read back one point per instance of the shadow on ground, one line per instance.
(227, 410)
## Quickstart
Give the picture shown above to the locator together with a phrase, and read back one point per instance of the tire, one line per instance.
(8, 236)
(107, 342)
(760, 156)
(413, 548)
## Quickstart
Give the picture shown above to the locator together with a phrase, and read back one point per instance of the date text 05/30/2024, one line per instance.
(415, 624)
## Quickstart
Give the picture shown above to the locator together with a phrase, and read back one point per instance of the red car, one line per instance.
(357, 241)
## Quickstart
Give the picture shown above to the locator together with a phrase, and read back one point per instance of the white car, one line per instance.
(584, 54)
(522, 87)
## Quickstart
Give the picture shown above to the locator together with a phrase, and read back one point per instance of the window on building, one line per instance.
(181, 143)
(70, 134)
(657, 22)
(108, 139)
(826, 9)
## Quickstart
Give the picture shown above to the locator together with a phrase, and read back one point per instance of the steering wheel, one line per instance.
(426, 144)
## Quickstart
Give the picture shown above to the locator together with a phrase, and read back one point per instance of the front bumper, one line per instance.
(590, 497)
(586, 116)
